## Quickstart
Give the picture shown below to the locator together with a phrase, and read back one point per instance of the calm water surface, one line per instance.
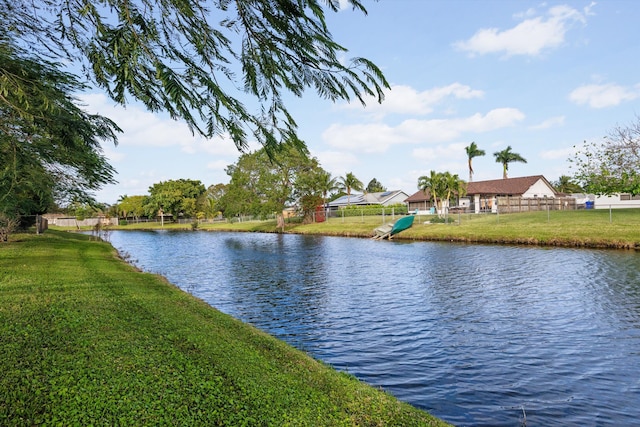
(476, 335)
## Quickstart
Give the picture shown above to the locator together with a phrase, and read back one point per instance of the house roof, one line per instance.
(379, 198)
(419, 196)
(505, 186)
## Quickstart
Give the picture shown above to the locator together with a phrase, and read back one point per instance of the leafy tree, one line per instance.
(241, 195)
(472, 151)
(262, 186)
(309, 191)
(188, 58)
(350, 182)
(565, 184)
(507, 156)
(83, 211)
(175, 197)
(611, 166)
(132, 206)
(375, 186)
(49, 147)
(212, 206)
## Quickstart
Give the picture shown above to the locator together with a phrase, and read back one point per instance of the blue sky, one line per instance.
(539, 76)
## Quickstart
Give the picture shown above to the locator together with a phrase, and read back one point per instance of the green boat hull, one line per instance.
(402, 224)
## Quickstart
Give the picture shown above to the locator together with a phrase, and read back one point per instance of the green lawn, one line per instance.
(581, 228)
(85, 339)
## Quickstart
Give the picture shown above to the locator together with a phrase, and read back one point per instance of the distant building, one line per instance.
(420, 203)
(383, 198)
(483, 195)
(617, 201)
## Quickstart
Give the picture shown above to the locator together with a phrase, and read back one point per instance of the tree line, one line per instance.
(260, 185)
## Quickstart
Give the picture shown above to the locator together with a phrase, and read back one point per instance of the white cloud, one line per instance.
(112, 153)
(367, 138)
(336, 162)
(343, 4)
(378, 137)
(403, 99)
(530, 37)
(440, 158)
(218, 164)
(561, 153)
(603, 95)
(549, 123)
(440, 130)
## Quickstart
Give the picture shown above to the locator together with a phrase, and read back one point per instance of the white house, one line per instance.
(484, 195)
(617, 201)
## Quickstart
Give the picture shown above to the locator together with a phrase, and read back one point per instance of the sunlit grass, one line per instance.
(85, 339)
(599, 228)
(579, 228)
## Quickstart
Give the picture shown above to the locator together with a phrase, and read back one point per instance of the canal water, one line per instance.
(474, 334)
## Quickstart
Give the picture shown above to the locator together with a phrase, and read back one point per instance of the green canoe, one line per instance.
(388, 230)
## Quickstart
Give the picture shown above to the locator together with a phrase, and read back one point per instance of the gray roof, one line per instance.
(380, 198)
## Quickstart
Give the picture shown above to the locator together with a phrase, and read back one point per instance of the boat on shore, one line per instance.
(387, 231)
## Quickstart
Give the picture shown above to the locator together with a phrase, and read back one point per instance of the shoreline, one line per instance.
(567, 229)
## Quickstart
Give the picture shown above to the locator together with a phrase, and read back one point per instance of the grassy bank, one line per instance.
(85, 339)
(582, 228)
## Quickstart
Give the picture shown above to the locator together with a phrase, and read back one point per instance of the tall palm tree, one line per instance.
(505, 157)
(326, 184)
(473, 151)
(350, 182)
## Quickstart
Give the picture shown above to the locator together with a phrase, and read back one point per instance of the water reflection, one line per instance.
(478, 335)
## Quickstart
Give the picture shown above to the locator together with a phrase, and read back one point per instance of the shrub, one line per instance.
(7, 226)
(397, 209)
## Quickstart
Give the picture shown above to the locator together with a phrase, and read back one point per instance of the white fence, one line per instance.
(87, 222)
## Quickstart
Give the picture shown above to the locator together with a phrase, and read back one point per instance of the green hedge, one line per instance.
(397, 209)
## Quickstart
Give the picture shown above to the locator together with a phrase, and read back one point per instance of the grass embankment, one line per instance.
(581, 228)
(85, 339)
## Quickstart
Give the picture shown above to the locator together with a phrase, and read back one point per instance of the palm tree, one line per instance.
(505, 157)
(434, 183)
(473, 151)
(565, 184)
(350, 182)
(454, 186)
(442, 185)
(326, 184)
